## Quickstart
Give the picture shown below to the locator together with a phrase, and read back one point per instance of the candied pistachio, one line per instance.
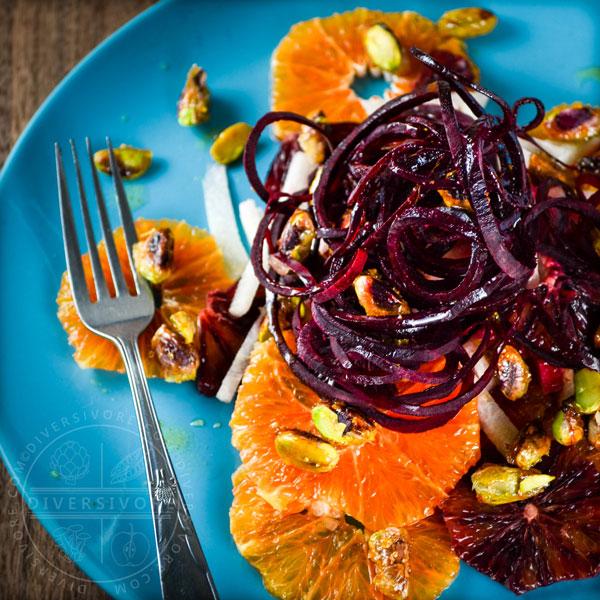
(530, 447)
(467, 22)
(383, 47)
(513, 373)
(377, 299)
(179, 360)
(154, 256)
(498, 484)
(132, 162)
(575, 123)
(568, 426)
(306, 451)
(298, 235)
(342, 425)
(194, 101)
(587, 391)
(230, 143)
(594, 430)
(389, 550)
(184, 324)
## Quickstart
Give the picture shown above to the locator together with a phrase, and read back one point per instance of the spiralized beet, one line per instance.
(439, 207)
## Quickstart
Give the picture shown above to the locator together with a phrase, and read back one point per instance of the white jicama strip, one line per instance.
(299, 170)
(231, 381)
(494, 421)
(244, 293)
(221, 220)
(250, 215)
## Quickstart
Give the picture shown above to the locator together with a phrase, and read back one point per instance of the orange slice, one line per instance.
(314, 65)
(396, 479)
(303, 556)
(198, 269)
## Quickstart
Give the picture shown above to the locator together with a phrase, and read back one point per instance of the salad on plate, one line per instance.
(414, 343)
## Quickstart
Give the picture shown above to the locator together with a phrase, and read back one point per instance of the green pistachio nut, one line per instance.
(499, 484)
(567, 427)
(351, 430)
(389, 551)
(305, 451)
(298, 235)
(383, 47)
(184, 324)
(530, 447)
(467, 22)
(230, 143)
(154, 255)
(132, 162)
(587, 391)
(194, 101)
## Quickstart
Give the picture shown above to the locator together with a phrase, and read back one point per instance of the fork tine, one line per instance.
(79, 288)
(111, 250)
(99, 280)
(124, 211)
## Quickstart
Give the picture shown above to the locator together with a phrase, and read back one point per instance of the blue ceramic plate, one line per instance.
(68, 436)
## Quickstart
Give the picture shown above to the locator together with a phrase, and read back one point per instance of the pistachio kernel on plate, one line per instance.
(194, 101)
(513, 373)
(383, 48)
(132, 162)
(389, 550)
(306, 451)
(230, 143)
(179, 360)
(467, 22)
(154, 256)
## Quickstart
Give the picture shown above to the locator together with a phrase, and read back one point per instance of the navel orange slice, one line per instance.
(198, 269)
(311, 555)
(314, 65)
(391, 479)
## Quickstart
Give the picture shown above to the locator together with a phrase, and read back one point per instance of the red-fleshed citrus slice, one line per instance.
(396, 479)
(198, 269)
(302, 556)
(314, 65)
(554, 536)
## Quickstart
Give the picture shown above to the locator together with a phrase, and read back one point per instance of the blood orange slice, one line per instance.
(551, 537)
(314, 65)
(198, 269)
(304, 555)
(395, 479)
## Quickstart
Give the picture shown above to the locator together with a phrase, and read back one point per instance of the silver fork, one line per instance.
(184, 572)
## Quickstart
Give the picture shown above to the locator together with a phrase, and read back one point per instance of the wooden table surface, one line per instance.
(40, 42)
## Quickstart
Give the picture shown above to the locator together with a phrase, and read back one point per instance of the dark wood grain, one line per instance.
(40, 42)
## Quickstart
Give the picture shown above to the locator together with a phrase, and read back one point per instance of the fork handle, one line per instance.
(184, 572)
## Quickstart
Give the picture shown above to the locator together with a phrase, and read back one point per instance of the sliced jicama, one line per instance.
(493, 420)
(221, 220)
(232, 379)
(298, 173)
(244, 293)
(250, 215)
